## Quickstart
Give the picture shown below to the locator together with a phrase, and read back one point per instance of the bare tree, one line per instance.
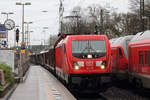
(135, 9)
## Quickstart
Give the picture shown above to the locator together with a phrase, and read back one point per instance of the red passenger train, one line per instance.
(119, 57)
(139, 59)
(83, 60)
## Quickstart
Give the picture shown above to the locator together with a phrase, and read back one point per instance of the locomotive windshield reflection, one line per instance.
(82, 48)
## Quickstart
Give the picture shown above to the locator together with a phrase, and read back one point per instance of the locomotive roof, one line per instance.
(65, 37)
(141, 36)
(112, 40)
(85, 36)
(123, 41)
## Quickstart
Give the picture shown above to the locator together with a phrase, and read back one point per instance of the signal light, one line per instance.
(17, 35)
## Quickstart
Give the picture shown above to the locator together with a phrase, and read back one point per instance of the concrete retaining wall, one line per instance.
(8, 57)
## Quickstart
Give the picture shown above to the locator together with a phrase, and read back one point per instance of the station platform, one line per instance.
(41, 85)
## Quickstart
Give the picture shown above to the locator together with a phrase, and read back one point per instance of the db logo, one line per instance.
(89, 63)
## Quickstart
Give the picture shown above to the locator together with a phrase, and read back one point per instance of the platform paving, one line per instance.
(41, 85)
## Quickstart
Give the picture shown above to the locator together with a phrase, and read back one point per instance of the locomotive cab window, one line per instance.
(141, 60)
(83, 48)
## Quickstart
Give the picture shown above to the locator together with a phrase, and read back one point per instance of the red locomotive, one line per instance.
(83, 60)
(139, 59)
(119, 57)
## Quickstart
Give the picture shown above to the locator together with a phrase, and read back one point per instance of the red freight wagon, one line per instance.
(139, 59)
(83, 60)
(119, 57)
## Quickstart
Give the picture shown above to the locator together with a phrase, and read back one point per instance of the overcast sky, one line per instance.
(49, 19)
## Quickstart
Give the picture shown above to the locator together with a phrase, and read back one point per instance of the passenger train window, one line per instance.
(120, 53)
(141, 61)
(127, 42)
(147, 58)
(64, 49)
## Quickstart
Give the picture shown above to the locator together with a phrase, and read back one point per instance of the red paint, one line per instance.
(64, 59)
(119, 61)
(134, 64)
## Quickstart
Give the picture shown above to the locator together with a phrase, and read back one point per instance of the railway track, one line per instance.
(91, 97)
(118, 92)
(113, 94)
(122, 94)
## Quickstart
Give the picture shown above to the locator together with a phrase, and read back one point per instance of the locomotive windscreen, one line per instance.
(82, 48)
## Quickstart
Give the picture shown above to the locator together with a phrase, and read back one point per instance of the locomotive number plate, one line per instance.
(89, 65)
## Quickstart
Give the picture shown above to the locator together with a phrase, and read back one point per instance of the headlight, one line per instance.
(89, 56)
(102, 66)
(76, 67)
(78, 64)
